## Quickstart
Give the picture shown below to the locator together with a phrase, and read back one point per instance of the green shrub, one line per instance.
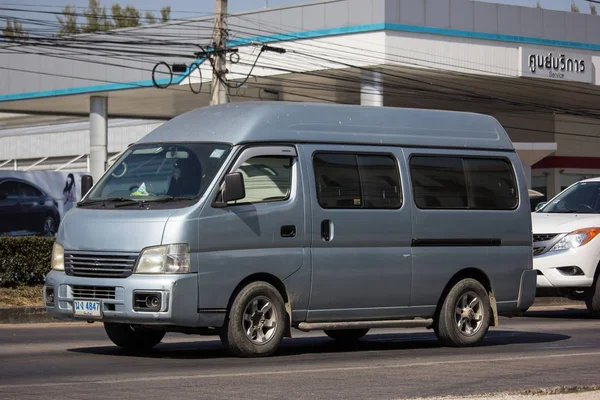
(24, 260)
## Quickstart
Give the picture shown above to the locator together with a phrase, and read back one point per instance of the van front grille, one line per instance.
(93, 292)
(538, 250)
(100, 265)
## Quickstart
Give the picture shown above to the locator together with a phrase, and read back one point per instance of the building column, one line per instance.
(527, 171)
(371, 89)
(98, 136)
(553, 183)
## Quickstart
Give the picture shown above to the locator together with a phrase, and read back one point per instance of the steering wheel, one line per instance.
(124, 165)
(584, 206)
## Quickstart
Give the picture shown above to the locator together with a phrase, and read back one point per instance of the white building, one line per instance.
(535, 70)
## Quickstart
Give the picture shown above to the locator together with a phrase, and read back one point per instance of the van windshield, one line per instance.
(583, 197)
(165, 171)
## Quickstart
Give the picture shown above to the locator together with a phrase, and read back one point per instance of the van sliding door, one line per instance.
(361, 233)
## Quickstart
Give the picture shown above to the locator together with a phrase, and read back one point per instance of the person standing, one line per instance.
(69, 193)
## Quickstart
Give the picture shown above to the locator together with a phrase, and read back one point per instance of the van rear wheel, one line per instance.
(133, 338)
(256, 321)
(464, 318)
(347, 335)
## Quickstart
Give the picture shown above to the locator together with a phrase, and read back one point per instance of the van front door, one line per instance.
(361, 234)
(259, 237)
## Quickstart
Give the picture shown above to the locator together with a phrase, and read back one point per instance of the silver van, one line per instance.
(247, 220)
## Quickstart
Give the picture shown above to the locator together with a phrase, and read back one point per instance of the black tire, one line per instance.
(347, 335)
(132, 338)
(477, 318)
(265, 326)
(592, 298)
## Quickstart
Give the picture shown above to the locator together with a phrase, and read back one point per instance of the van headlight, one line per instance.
(169, 259)
(576, 239)
(58, 257)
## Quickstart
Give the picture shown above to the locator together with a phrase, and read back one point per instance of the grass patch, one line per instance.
(21, 296)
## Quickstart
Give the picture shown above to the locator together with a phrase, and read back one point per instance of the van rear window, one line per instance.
(474, 183)
(367, 181)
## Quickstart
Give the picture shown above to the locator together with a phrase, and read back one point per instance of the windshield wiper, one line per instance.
(104, 201)
(129, 202)
(171, 198)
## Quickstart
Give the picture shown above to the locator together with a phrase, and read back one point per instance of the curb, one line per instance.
(28, 315)
(24, 315)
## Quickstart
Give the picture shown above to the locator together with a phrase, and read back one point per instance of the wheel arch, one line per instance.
(277, 283)
(481, 277)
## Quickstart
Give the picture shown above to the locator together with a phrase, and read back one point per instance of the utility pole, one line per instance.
(219, 91)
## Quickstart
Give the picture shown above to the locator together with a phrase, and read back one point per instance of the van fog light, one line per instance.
(49, 296)
(147, 301)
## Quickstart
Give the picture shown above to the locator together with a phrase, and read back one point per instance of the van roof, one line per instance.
(245, 122)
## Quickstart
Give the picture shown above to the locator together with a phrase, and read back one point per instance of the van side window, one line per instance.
(357, 181)
(438, 182)
(491, 184)
(266, 178)
(474, 183)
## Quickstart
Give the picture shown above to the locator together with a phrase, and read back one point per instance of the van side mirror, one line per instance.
(540, 205)
(86, 184)
(234, 187)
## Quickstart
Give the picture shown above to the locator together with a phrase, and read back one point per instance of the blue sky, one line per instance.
(188, 8)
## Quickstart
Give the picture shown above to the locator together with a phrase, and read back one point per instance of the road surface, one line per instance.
(74, 361)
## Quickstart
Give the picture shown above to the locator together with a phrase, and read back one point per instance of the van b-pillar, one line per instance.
(371, 88)
(98, 135)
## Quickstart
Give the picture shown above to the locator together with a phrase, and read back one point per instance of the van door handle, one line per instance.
(327, 230)
(288, 231)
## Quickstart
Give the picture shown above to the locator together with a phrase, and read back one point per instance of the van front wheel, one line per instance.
(256, 321)
(464, 317)
(133, 338)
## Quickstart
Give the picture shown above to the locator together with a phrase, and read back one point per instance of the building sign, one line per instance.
(555, 64)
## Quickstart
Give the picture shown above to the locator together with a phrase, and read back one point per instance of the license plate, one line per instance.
(86, 308)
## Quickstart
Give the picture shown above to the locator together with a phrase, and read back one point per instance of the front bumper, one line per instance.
(179, 294)
(585, 257)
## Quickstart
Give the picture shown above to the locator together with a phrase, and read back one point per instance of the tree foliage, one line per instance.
(165, 13)
(574, 7)
(14, 31)
(98, 20)
(593, 10)
(150, 17)
(68, 21)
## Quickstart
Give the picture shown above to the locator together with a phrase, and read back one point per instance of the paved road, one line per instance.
(76, 361)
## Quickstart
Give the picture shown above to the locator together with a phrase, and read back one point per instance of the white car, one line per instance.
(566, 249)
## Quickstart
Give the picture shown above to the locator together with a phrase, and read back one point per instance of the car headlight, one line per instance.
(576, 239)
(58, 257)
(169, 259)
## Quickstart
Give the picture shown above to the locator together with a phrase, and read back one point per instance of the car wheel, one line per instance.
(347, 335)
(464, 317)
(50, 227)
(256, 321)
(592, 298)
(132, 338)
